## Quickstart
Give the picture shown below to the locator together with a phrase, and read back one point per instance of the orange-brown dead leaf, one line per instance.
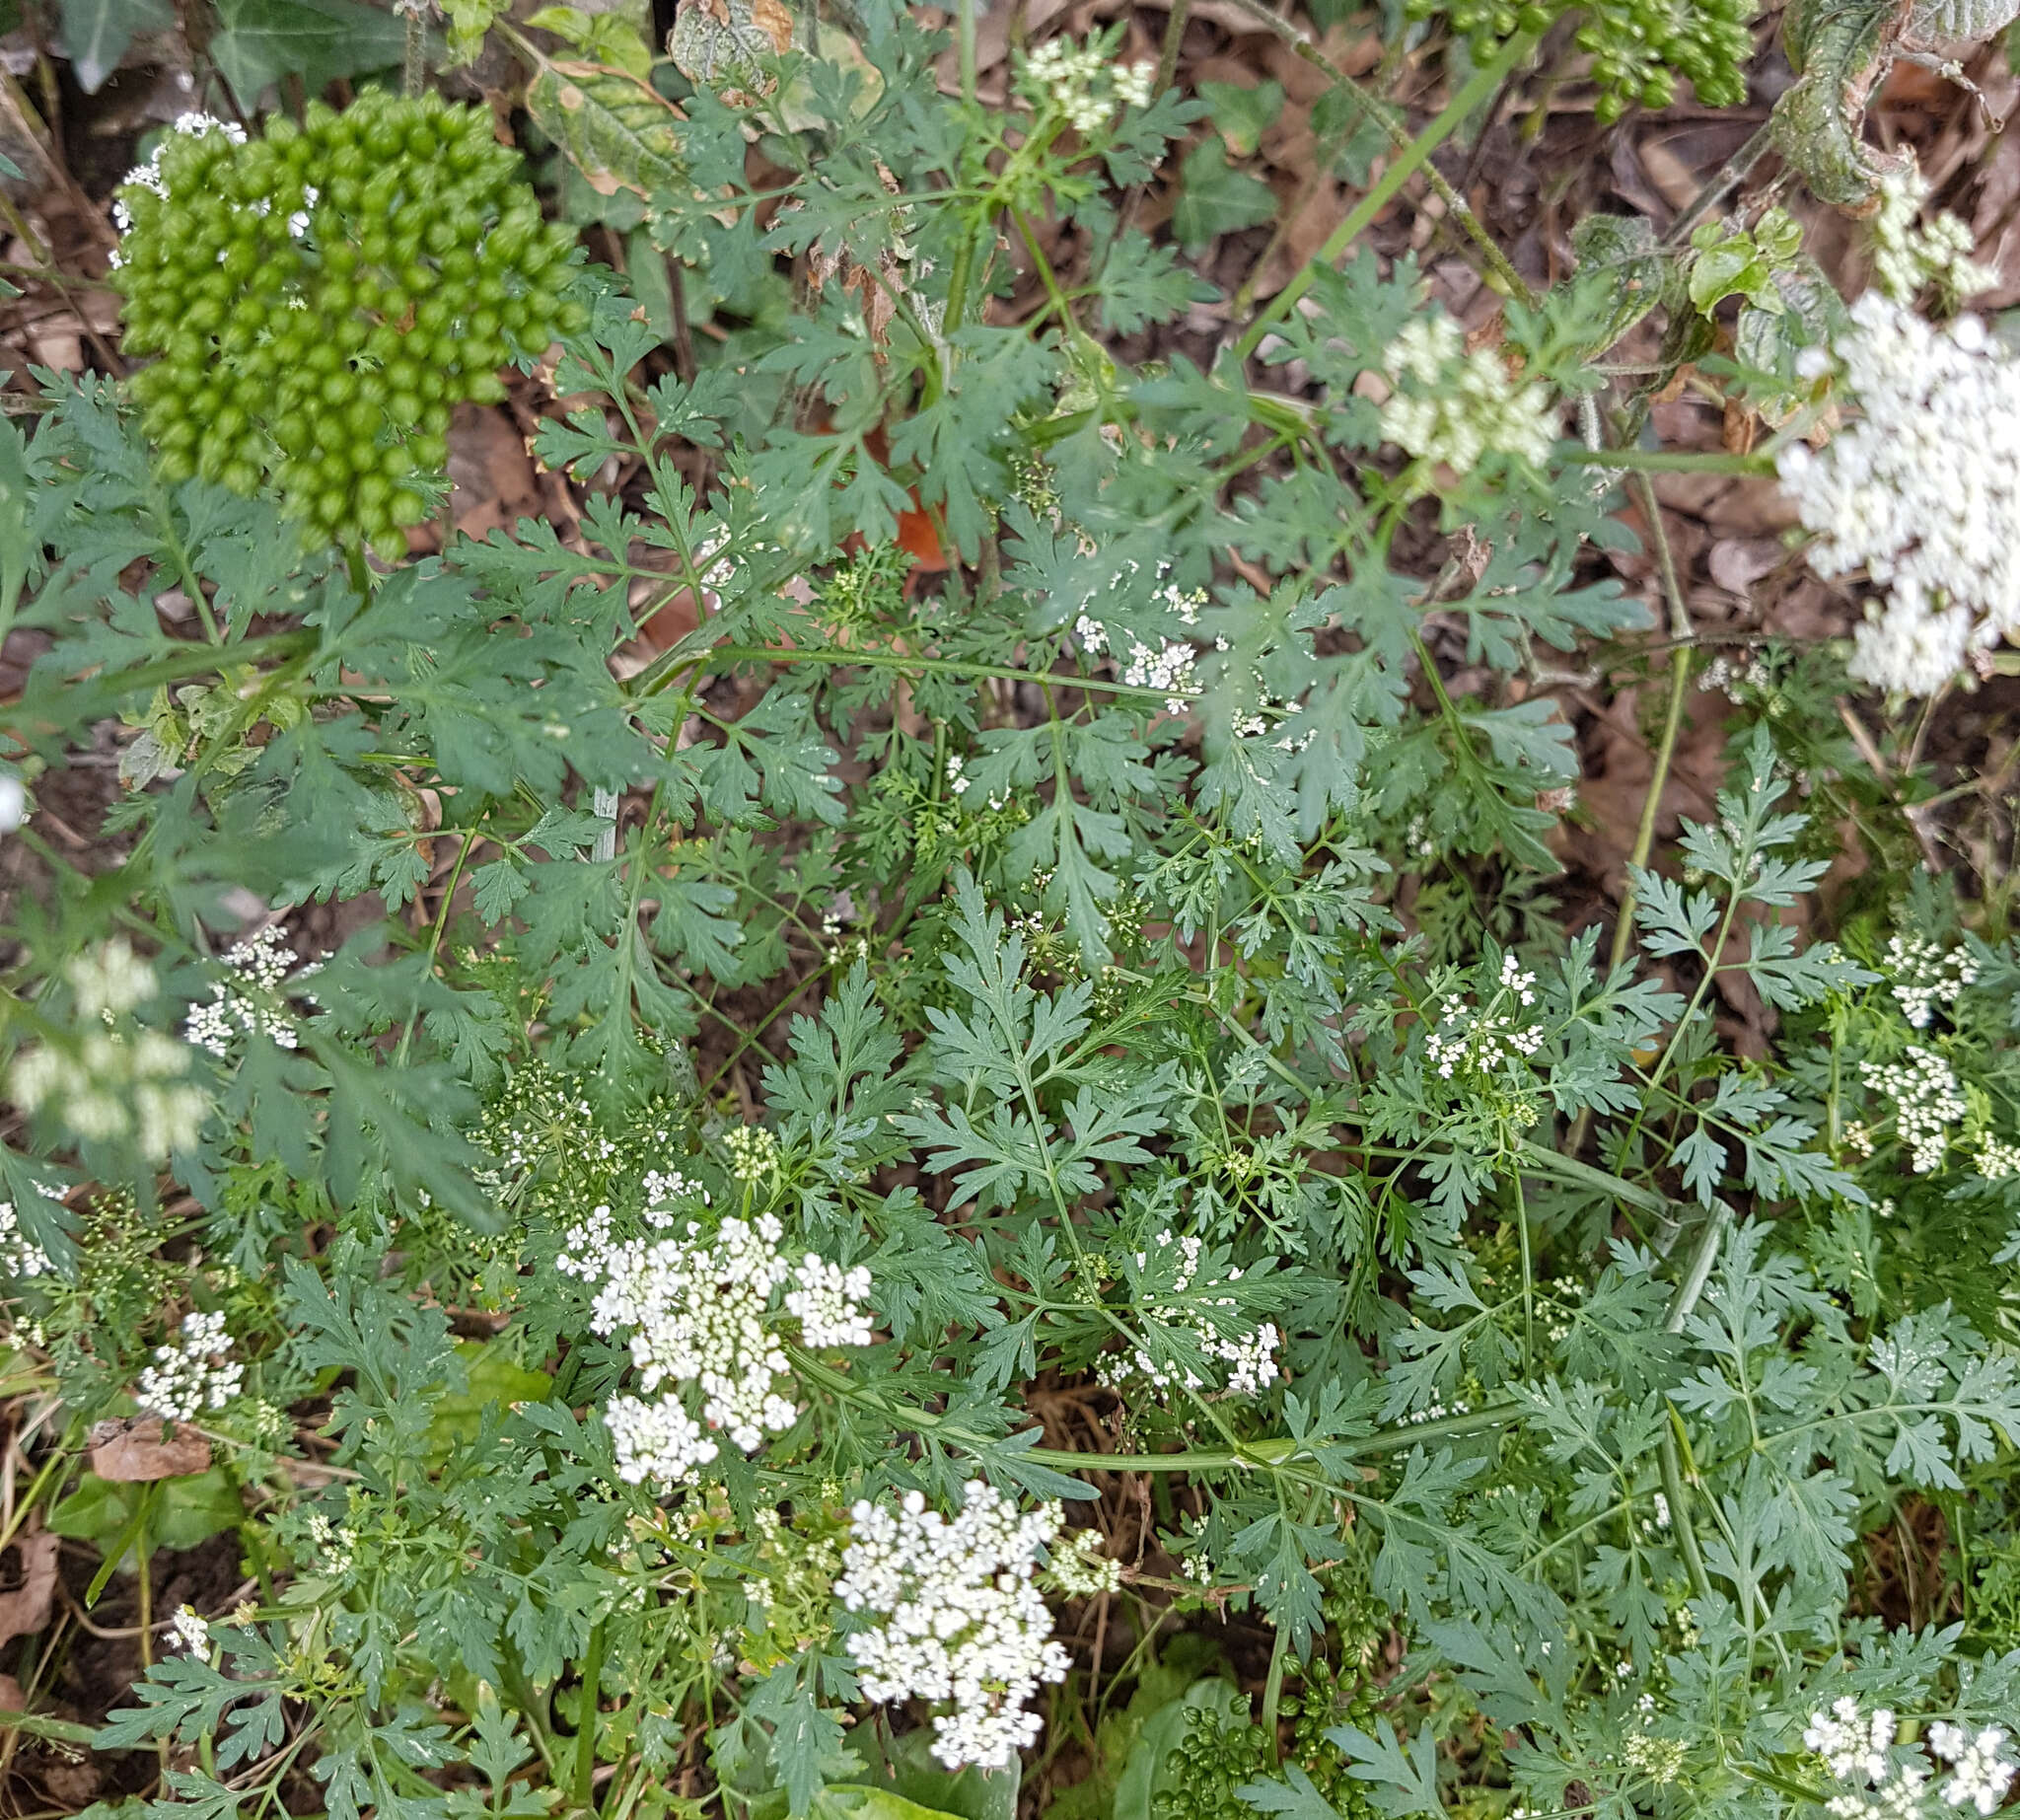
(25, 1609)
(141, 1450)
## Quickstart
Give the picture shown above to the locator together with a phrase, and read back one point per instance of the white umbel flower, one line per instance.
(190, 1629)
(962, 1620)
(828, 1302)
(697, 1312)
(656, 1441)
(1981, 1772)
(1922, 493)
(1249, 1359)
(252, 1000)
(193, 1374)
(1081, 83)
(1462, 406)
(1928, 1102)
(1853, 1743)
(1924, 976)
(19, 1256)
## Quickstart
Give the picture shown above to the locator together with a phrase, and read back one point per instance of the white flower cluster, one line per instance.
(1856, 1747)
(1998, 1159)
(120, 1080)
(829, 1303)
(338, 1543)
(696, 1311)
(192, 1375)
(1924, 975)
(1852, 1744)
(249, 1001)
(1907, 255)
(1923, 492)
(1170, 666)
(1981, 1770)
(1251, 1364)
(190, 1629)
(1082, 84)
(19, 1256)
(962, 1620)
(1168, 669)
(1465, 404)
(1485, 1040)
(1928, 1102)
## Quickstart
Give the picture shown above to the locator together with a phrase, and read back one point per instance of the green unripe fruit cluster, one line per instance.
(1638, 47)
(322, 297)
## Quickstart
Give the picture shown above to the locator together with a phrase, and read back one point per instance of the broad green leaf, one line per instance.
(97, 33)
(318, 41)
(1214, 198)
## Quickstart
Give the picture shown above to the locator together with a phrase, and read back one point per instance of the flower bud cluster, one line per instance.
(961, 1619)
(697, 1312)
(1908, 256)
(249, 1001)
(1928, 1102)
(195, 1374)
(1924, 976)
(1459, 406)
(1921, 492)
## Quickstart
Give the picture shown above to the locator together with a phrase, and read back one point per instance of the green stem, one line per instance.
(1273, 1694)
(1673, 714)
(1675, 1486)
(652, 682)
(585, 1734)
(1669, 461)
(1477, 90)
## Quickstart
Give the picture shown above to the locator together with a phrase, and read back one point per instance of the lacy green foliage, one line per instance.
(1115, 989)
(320, 298)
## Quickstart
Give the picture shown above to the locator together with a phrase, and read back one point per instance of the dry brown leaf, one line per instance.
(138, 1451)
(25, 1609)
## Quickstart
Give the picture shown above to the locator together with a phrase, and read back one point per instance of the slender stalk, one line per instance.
(967, 54)
(1673, 714)
(1675, 1486)
(585, 1733)
(1168, 52)
(1670, 461)
(1273, 1694)
(414, 70)
(1732, 171)
(1457, 209)
(1483, 84)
